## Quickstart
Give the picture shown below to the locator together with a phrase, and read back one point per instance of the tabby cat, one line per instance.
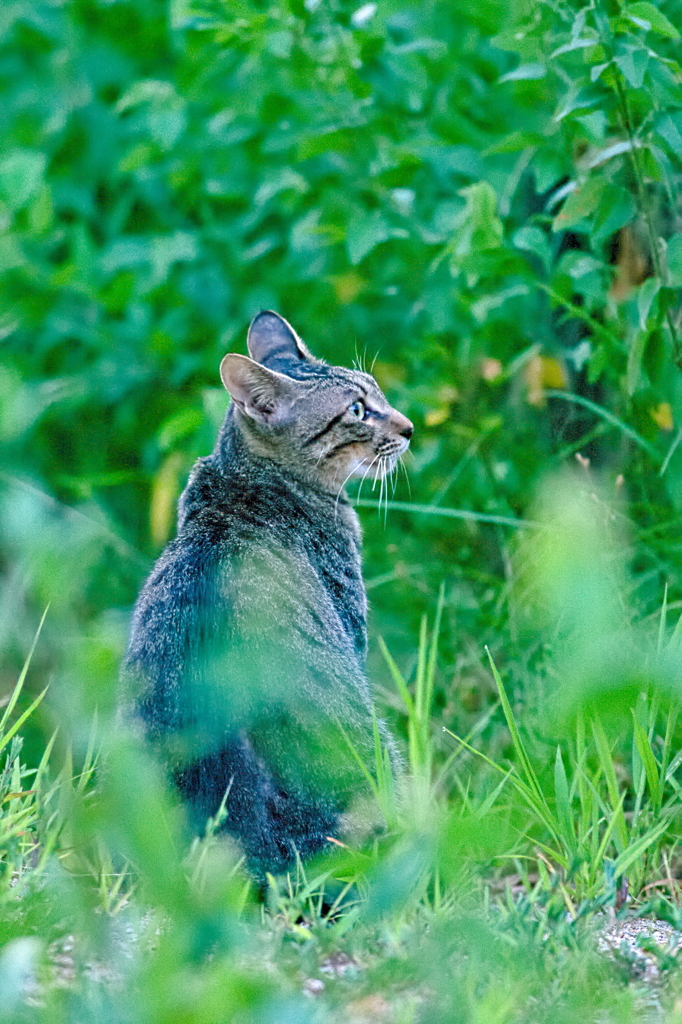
(248, 640)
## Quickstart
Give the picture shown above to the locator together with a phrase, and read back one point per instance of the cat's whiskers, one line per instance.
(380, 478)
(383, 490)
(347, 478)
(340, 490)
(385, 471)
(377, 458)
(360, 361)
(394, 476)
(376, 356)
(388, 462)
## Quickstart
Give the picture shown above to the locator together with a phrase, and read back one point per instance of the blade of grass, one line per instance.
(676, 639)
(519, 747)
(449, 513)
(6, 737)
(419, 687)
(670, 723)
(599, 410)
(538, 806)
(563, 803)
(22, 677)
(475, 730)
(606, 762)
(663, 619)
(397, 677)
(654, 781)
(636, 849)
(608, 833)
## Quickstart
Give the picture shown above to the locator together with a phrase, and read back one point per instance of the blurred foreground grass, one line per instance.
(482, 902)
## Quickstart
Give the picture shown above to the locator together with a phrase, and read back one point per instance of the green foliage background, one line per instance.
(435, 190)
(386, 177)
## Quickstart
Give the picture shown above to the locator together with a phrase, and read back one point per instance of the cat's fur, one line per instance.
(248, 641)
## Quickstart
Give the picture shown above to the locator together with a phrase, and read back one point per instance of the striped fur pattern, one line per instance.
(246, 661)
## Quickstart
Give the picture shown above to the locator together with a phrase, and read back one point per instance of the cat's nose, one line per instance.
(404, 426)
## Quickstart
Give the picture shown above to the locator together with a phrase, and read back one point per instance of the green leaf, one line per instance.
(598, 70)
(166, 250)
(575, 44)
(651, 161)
(123, 253)
(674, 260)
(645, 297)
(652, 16)
(602, 156)
(578, 264)
(580, 204)
(577, 99)
(187, 14)
(655, 361)
(365, 231)
(21, 175)
(525, 73)
(147, 90)
(635, 361)
(633, 65)
(533, 239)
(515, 142)
(669, 128)
(11, 255)
(616, 208)
(281, 180)
(166, 126)
(548, 168)
(479, 228)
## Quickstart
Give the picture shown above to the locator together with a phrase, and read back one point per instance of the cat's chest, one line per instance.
(332, 554)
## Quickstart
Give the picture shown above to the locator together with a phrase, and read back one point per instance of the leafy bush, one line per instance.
(482, 203)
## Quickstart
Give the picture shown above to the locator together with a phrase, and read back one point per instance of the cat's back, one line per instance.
(250, 538)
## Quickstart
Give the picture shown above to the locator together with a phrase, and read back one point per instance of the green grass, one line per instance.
(379, 176)
(481, 902)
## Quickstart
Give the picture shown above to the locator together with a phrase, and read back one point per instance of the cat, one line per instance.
(248, 640)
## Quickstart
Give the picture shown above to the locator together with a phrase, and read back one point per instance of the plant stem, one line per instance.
(645, 208)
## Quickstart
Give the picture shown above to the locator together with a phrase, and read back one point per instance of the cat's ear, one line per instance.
(271, 338)
(262, 394)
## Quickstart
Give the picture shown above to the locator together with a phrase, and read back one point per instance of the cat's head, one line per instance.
(324, 423)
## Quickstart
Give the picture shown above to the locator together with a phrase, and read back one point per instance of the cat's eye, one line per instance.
(358, 410)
